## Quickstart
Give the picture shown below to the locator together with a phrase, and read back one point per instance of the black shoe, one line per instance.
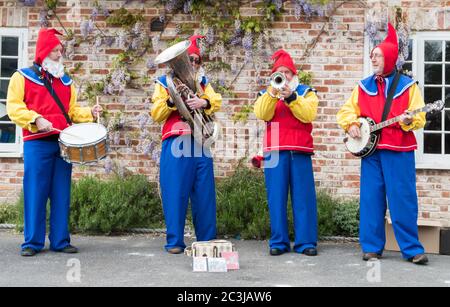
(371, 256)
(276, 252)
(419, 259)
(175, 250)
(28, 252)
(69, 249)
(310, 252)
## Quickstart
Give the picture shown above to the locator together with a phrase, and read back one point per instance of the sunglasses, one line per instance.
(195, 60)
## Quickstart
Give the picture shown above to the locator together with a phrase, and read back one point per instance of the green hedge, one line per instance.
(242, 209)
(115, 205)
(118, 204)
(8, 214)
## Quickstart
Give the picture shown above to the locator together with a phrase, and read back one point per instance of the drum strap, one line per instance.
(388, 104)
(49, 87)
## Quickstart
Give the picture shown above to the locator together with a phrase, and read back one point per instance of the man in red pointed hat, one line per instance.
(47, 176)
(388, 176)
(188, 176)
(288, 141)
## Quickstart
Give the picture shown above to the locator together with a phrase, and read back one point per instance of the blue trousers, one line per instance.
(47, 176)
(294, 171)
(183, 178)
(389, 177)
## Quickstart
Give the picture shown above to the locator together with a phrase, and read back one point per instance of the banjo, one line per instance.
(367, 143)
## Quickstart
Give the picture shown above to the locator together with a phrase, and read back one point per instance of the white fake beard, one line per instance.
(294, 83)
(55, 68)
(377, 71)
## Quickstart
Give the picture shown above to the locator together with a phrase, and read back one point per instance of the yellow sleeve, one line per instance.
(16, 108)
(305, 108)
(76, 113)
(415, 102)
(265, 107)
(215, 99)
(160, 111)
(350, 111)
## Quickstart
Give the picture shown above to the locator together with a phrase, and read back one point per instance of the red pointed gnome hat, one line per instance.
(194, 49)
(46, 42)
(282, 58)
(389, 47)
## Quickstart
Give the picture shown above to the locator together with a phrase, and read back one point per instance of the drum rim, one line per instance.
(105, 138)
(86, 144)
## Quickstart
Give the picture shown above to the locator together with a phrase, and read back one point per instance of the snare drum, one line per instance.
(83, 144)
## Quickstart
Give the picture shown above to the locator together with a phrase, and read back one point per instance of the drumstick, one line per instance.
(98, 115)
(69, 134)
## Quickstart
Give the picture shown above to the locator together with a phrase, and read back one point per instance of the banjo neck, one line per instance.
(394, 120)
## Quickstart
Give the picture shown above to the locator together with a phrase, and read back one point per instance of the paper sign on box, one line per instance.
(217, 265)
(200, 264)
(232, 259)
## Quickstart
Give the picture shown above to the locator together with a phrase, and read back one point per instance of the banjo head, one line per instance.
(358, 146)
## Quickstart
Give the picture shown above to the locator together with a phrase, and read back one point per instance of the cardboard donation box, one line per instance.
(213, 256)
(429, 236)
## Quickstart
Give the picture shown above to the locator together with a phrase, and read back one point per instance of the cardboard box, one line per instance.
(429, 236)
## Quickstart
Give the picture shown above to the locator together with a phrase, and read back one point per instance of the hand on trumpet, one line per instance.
(282, 93)
(286, 91)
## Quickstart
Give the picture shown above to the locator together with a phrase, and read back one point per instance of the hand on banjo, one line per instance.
(406, 118)
(354, 131)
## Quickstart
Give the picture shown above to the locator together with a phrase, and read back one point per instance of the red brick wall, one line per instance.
(337, 63)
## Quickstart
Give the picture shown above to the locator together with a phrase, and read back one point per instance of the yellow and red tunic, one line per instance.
(29, 99)
(368, 100)
(293, 118)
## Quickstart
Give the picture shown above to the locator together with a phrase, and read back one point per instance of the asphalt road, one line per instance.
(141, 261)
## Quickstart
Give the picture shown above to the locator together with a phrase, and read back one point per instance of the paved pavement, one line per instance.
(141, 261)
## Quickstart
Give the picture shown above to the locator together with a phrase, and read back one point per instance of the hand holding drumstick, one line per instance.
(96, 111)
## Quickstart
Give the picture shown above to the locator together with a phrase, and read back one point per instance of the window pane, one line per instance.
(3, 115)
(433, 51)
(10, 46)
(3, 88)
(407, 67)
(433, 74)
(447, 51)
(447, 120)
(435, 124)
(7, 133)
(9, 66)
(447, 74)
(410, 50)
(447, 97)
(433, 93)
(432, 143)
(447, 144)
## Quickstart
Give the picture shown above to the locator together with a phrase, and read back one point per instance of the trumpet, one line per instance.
(278, 81)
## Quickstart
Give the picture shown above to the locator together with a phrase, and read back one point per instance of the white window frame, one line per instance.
(16, 150)
(423, 161)
(428, 161)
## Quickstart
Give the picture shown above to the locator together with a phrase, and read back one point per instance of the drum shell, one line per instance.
(85, 154)
(84, 144)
